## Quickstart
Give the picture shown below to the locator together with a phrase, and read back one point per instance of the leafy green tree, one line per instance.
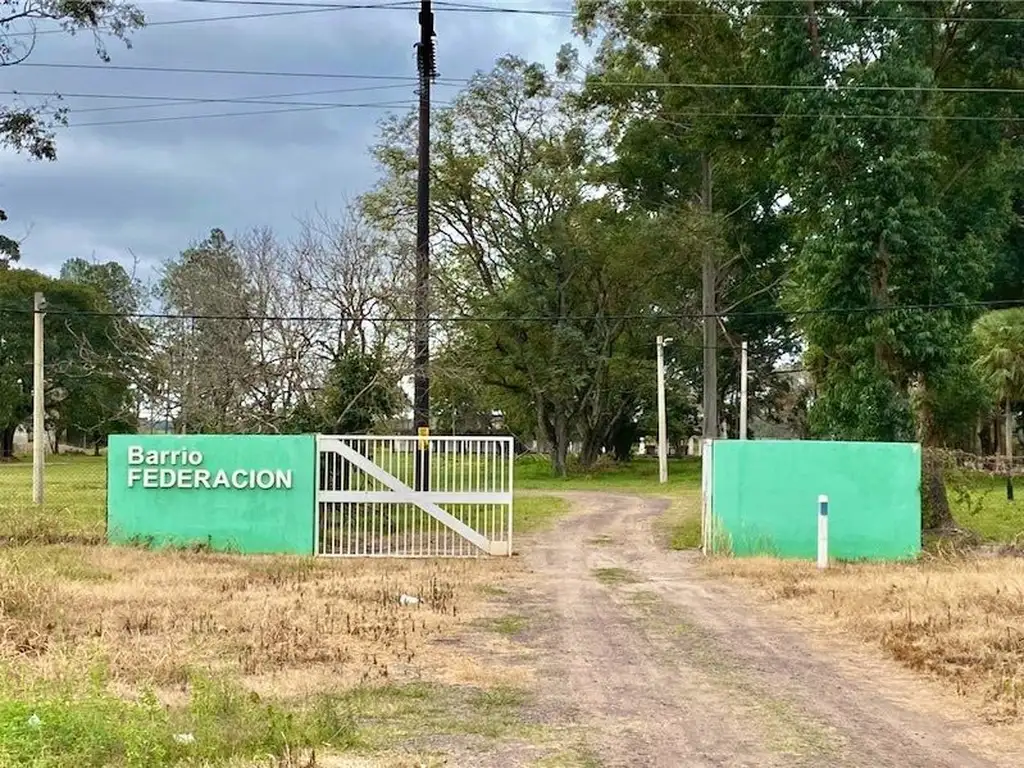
(80, 353)
(30, 128)
(108, 400)
(876, 197)
(360, 392)
(527, 240)
(661, 77)
(999, 337)
(897, 203)
(121, 292)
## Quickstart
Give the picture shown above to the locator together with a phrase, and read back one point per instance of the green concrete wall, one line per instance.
(765, 493)
(243, 493)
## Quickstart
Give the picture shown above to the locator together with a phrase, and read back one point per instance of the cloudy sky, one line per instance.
(128, 183)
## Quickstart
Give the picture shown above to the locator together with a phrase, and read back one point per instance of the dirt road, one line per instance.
(659, 667)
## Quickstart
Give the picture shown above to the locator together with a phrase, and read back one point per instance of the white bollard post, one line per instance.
(823, 532)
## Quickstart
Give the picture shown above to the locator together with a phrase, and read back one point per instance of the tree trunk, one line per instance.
(7, 443)
(936, 513)
(1008, 432)
(560, 444)
(589, 453)
(544, 444)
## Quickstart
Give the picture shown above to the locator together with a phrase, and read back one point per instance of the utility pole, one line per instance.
(426, 64)
(709, 281)
(662, 416)
(38, 406)
(743, 391)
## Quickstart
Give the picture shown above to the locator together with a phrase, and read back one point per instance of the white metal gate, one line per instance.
(372, 500)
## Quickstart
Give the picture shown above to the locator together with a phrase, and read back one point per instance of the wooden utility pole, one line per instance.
(426, 64)
(709, 281)
(38, 403)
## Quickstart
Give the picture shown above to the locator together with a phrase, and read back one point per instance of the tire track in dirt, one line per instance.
(660, 667)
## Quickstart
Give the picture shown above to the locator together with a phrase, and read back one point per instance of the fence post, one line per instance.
(822, 532)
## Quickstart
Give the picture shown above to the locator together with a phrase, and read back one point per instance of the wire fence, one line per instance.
(74, 501)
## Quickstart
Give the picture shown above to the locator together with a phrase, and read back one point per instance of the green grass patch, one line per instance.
(680, 527)
(637, 476)
(391, 714)
(979, 503)
(616, 576)
(75, 501)
(509, 625)
(536, 513)
(53, 729)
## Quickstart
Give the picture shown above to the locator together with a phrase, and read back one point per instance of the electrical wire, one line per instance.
(933, 307)
(570, 12)
(244, 113)
(210, 71)
(173, 101)
(592, 82)
(197, 20)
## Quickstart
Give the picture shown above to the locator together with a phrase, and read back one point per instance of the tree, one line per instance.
(897, 203)
(661, 77)
(999, 336)
(209, 360)
(106, 395)
(359, 392)
(545, 267)
(81, 352)
(30, 128)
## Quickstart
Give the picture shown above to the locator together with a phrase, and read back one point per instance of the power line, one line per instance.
(633, 84)
(651, 317)
(244, 113)
(207, 71)
(410, 105)
(851, 116)
(196, 20)
(165, 101)
(570, 13)
(300, 8)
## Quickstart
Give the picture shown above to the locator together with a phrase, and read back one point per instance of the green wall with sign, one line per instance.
(244, 493)
(764, 498)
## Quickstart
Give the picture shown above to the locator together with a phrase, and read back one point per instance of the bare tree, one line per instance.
(349, 272)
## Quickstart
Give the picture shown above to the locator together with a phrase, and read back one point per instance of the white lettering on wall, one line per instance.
(180, 469)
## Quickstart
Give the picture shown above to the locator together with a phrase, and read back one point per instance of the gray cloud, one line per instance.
(151, 188)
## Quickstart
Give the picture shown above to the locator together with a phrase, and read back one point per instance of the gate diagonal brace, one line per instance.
(404, 493)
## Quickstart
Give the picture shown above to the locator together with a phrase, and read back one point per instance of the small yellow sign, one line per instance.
(424, 433)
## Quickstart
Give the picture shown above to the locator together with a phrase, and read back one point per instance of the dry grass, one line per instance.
(281, 626)
(960, 620)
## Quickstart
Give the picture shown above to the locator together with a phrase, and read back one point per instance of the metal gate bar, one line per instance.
(367, 505)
